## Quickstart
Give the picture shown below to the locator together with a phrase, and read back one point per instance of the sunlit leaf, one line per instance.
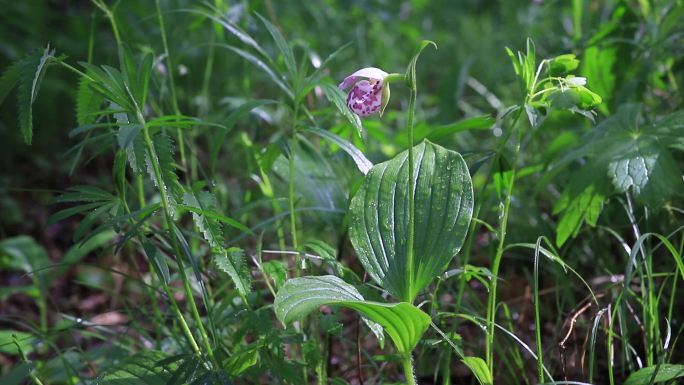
(403, 322)
(655, 374)
(379, 218)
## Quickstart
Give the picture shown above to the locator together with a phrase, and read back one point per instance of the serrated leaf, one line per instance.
(443, 209)
(210, 228)
(140, 369)
(88, 102)
(232, 261)
(403, 322)
(339, 99)
(32, 71)
(10, 77)
(164, 151)
(655, 374)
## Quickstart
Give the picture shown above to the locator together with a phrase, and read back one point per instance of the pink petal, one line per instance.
(365, 98)
(368, 72)
(347, 82)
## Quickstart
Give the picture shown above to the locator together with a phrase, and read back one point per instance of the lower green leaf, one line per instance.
(655, 374)
(479, 369)
(404, 322)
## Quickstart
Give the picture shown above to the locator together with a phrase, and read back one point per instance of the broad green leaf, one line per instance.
(362, 163)
(232, 261)
(7, 345)
(339, 99)
(32, 71)
(479, 369)
(404, 323)
(443, 209)
(633, 155)
(655, 374)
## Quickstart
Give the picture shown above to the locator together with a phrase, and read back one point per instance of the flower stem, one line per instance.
(411, 219)
(407, 363)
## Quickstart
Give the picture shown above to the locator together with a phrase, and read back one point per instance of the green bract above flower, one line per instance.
(369, 93)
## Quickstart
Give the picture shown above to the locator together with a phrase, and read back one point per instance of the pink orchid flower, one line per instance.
(369, 95)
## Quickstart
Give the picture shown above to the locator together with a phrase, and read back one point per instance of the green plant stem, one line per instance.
(291, 187)
(22, 355)
(110, 15)
(411, 219)
(537, 316)
(407, 364)
(476, 214)
(174, 242)
(172, 84)
(491, 300)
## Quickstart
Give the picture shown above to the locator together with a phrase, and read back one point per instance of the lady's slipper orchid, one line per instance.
(369, 95)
